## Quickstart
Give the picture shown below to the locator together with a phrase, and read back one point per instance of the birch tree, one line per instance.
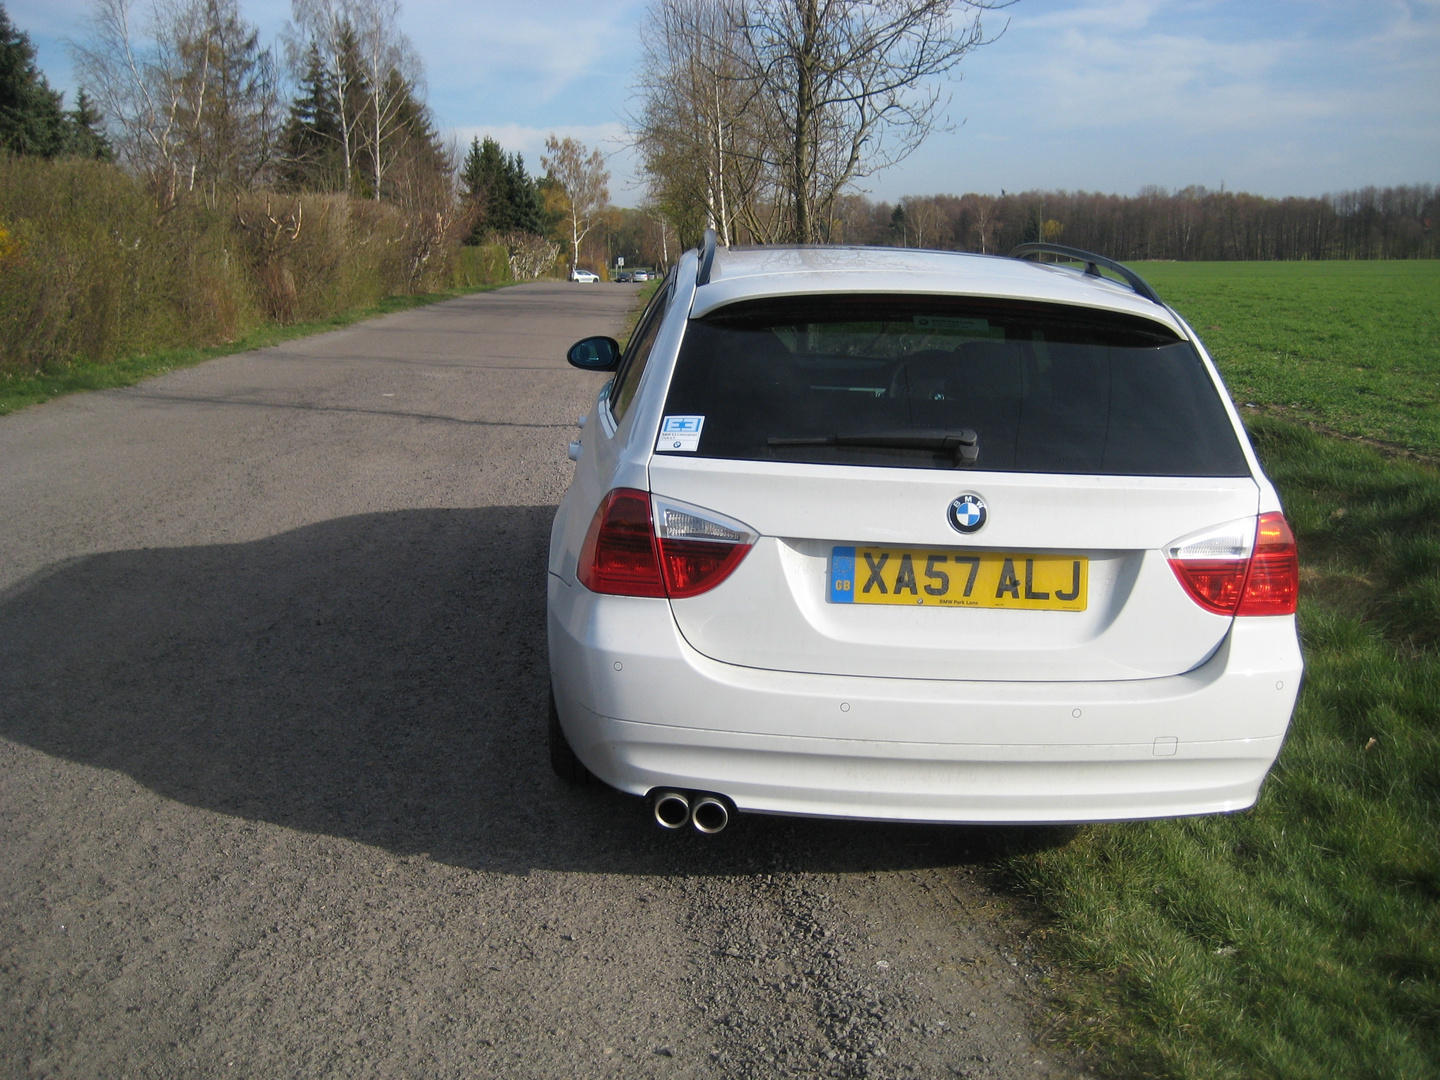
(584, 180)
(190, 96)
(699, 130)
(375, 77)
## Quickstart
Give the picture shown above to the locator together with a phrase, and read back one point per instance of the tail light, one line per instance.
(639, 546)
(1273, 585)
(1235, 569)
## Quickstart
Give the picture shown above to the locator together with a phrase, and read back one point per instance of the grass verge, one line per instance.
(642, 301)
(17, 391)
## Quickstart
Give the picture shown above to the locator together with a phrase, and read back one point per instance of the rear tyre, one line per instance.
(562, 759)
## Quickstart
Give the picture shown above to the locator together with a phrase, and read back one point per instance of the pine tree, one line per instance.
(31, 118)
(484, 180)
(311, 146)
(472, 171)
(522, 196)
(504, 197)
(1034, 230)
(86, 137)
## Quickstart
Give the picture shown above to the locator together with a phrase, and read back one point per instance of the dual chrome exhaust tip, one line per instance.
(709, 814)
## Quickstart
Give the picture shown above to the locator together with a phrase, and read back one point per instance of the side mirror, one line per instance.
(595, 354)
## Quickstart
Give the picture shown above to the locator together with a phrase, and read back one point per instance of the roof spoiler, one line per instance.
(707, 258)
(1092, 263)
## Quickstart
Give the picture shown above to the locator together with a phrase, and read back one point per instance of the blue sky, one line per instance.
(1277, 97)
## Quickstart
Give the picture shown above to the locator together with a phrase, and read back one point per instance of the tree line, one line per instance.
(1193, 223)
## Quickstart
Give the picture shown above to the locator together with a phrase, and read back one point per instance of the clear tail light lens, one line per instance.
(1239, 568)
(637, 546)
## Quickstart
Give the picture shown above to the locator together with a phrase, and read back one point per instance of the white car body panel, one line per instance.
(802, 511)
(915, 749)
(1145, 705)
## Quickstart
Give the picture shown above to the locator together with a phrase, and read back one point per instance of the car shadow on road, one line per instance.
(380, 678)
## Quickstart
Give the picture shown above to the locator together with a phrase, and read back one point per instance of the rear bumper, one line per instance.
(643, 710)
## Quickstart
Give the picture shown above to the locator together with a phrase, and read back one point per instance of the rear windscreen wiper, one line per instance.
(964, 444)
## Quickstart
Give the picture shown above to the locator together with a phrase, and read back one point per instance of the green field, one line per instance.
(1301, 939)
(1352, 346)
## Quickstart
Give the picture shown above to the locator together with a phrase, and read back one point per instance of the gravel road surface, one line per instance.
(274, 796)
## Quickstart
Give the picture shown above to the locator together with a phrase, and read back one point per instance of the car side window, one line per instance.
(632, 365)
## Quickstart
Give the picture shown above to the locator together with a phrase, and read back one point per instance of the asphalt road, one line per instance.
(274, 796)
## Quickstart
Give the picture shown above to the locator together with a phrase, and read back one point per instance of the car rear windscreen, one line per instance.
(898, 381)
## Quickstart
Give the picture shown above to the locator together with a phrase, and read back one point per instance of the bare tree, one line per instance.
(393, 71)
(192, 99)
(765, 112)
(584, 180)
(984, 225)
(131, 89)
(853, 81)
(924, 224)
(702, 127)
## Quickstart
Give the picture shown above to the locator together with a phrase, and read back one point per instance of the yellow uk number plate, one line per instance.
(989, 579)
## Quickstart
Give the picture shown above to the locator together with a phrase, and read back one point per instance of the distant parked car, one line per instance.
(623, 275)
(641, 275)
(583, 275)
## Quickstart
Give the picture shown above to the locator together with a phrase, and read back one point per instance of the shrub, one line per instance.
(472, 266)
(312, 256)
(91, 270)
(94, 271)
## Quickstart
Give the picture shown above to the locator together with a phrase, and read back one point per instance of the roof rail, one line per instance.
(1092, 263)
(707, 258)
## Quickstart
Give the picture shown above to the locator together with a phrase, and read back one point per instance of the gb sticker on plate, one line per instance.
(680, 433)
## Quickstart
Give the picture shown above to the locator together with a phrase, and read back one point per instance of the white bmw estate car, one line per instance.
(917, 536)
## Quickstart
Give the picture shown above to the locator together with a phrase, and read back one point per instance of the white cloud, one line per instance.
(1101, 77)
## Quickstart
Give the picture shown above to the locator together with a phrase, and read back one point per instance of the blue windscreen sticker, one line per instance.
(842, 575)
(680, 433)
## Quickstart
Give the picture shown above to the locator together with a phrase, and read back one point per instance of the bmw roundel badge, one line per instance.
(967, 513)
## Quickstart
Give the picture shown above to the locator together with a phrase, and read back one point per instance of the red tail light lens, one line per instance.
(1273, 586)
(669, 549)
(1214, 585)
(1230, 571)
(698, 548)
(619, 555)
(694, 566)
